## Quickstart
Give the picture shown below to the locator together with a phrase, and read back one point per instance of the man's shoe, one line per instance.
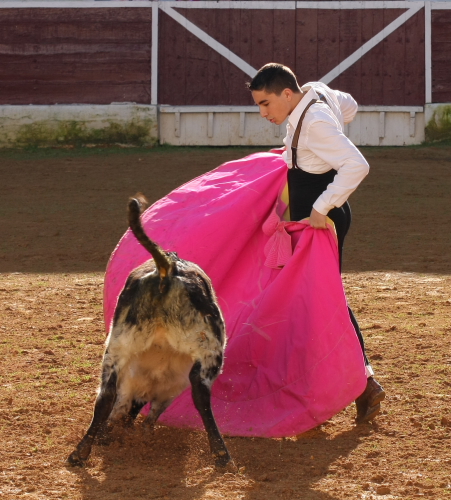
(369, 402)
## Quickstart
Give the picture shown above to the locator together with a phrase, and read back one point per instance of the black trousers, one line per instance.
(304, 189)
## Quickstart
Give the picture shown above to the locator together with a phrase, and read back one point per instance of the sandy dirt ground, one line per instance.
(62, 213)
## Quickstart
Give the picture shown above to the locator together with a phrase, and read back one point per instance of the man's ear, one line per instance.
(288, 93)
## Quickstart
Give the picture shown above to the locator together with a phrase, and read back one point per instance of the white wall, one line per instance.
(59, 124)
(222, 126)
(189, 125)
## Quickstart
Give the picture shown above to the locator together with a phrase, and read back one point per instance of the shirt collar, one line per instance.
(295, 115)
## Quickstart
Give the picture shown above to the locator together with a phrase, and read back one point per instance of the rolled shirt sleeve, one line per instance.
(327, 142)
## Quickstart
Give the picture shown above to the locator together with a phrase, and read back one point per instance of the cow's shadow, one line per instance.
(176, 464)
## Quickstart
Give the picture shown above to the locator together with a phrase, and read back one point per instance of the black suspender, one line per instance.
(294, 142)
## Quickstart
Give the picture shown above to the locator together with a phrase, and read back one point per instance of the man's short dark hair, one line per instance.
(273, 78)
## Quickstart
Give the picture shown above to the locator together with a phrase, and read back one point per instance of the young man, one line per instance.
(324, 168)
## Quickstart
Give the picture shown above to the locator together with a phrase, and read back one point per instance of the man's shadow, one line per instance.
(292, 468)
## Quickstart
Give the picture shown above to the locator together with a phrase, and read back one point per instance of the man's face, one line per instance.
(275, 108)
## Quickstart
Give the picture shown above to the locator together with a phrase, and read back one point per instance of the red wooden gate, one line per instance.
(184, 53)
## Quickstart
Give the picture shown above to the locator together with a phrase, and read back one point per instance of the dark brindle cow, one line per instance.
(167, 332)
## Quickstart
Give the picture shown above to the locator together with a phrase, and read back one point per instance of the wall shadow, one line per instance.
(67, 214)
(401, 212)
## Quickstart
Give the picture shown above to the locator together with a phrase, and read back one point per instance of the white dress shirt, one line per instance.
(322, 144)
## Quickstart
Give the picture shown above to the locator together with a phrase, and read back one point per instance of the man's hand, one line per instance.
(317, 220)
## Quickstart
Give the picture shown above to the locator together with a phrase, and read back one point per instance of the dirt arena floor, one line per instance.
(61, 214)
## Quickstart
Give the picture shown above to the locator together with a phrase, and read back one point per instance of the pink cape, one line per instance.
(293, 359)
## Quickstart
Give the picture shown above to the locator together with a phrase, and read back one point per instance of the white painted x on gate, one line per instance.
(412, 9)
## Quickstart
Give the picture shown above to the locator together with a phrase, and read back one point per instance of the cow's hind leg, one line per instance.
(136, 407)
(201, 380)
(102, 409)
(156, 410)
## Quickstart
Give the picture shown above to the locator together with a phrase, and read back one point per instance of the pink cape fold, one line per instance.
(293, 359)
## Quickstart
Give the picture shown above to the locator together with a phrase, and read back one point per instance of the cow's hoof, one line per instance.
(228, 467)
(225, 461)
(74, 460)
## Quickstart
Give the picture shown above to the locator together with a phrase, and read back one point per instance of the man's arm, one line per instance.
(334, 148)
(348, 105)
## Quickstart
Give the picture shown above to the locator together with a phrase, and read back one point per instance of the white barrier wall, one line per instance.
(230, 126)
(31, 125)
(134, 124)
